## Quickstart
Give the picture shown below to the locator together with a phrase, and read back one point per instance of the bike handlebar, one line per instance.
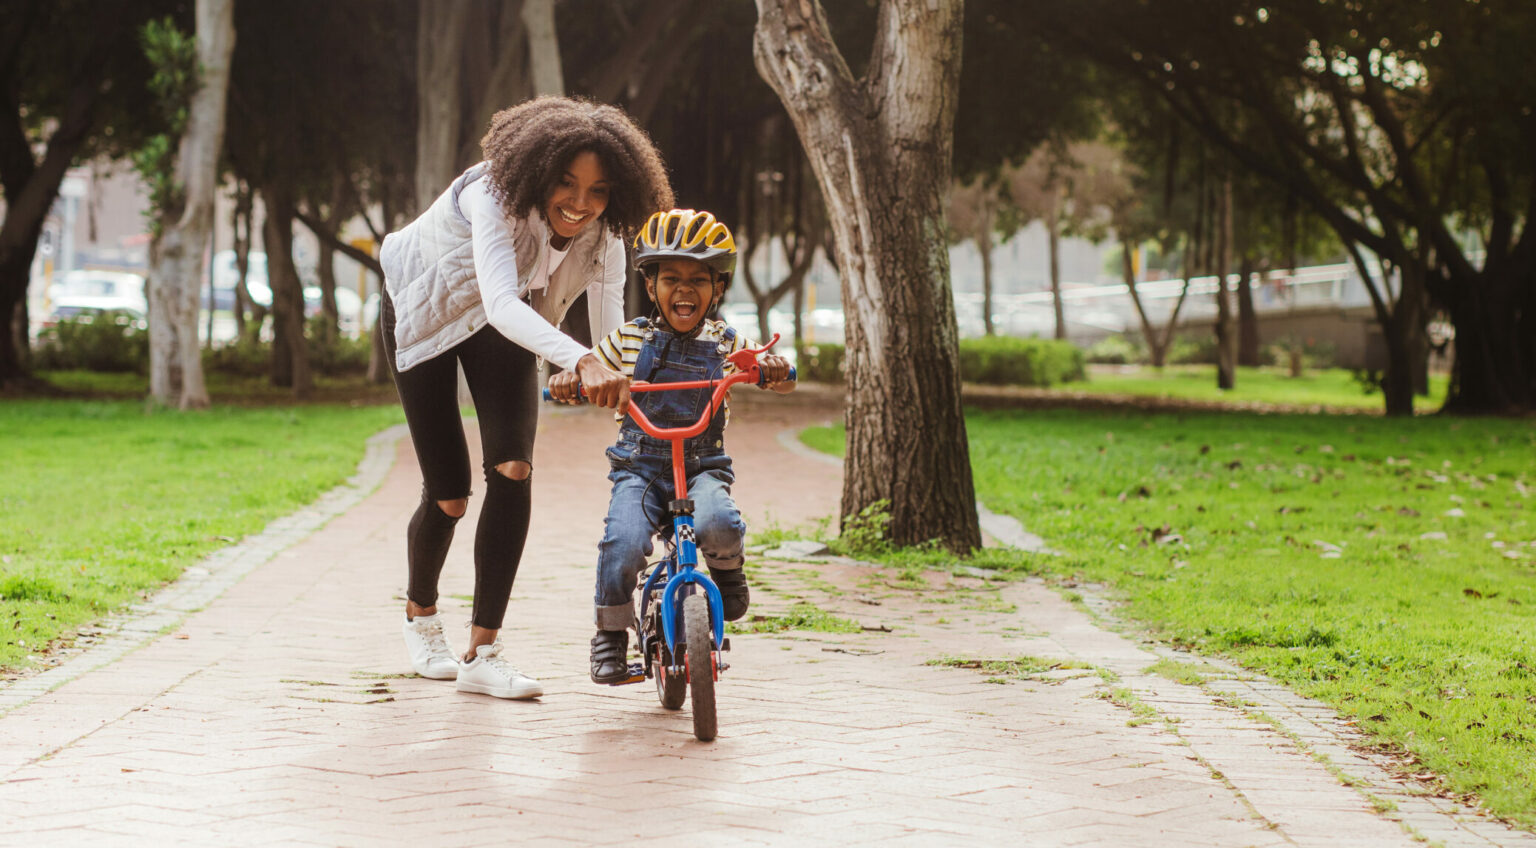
(747, 371)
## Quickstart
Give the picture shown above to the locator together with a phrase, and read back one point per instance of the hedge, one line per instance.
(1006, 361)
(995, 360)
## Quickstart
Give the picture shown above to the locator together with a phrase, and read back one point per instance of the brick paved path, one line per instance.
(279, 709)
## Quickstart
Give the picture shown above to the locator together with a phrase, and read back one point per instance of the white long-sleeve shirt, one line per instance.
(532, 322)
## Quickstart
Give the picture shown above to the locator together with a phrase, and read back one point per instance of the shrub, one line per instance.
(864, 534)
(1116, 350)
(109, 341)
(248, 357)
(1005, 361)
(820, 363)
(335, 355)
(244, 357)
(998, 360)
(1192, 350)
(1297, 354)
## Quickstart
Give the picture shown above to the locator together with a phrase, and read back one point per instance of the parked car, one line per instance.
(87, 309)
(108, 286)
(226, 275)
(86, 293)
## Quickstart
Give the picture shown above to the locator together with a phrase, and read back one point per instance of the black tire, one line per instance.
(672, 689)
(701, 668)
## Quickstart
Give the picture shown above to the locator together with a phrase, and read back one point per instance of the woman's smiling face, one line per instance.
(580, 196)
(683, 290)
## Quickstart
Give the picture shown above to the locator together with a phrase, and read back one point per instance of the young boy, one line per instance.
(686, 258)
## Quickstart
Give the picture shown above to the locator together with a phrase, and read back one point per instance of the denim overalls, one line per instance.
(641, 472)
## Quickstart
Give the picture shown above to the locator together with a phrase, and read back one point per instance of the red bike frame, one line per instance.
(747, 371)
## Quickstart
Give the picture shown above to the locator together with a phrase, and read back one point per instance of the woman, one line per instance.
(481, 280)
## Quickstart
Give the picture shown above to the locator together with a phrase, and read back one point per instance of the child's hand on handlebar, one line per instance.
(774, 369)
(603, 386)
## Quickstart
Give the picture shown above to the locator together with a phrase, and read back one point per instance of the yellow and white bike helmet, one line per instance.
(686, 234)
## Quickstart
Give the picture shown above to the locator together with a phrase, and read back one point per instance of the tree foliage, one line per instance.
(73, 77)
(1402, 125)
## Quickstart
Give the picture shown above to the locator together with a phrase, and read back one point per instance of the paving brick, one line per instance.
(259, 728)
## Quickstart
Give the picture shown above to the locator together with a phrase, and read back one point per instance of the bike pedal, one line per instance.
(636, 675)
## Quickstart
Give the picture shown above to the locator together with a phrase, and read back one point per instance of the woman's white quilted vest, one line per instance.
(429, 272)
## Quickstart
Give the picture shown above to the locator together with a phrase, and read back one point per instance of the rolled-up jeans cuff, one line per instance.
(732, 564)
(617, 617)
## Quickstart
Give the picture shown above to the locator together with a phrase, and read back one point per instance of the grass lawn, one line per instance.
(102, 502)
(222, 388)
(1386, 567)
(1334, 388)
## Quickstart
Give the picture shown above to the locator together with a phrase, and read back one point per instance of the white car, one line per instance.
(86, 309)
(105, 287)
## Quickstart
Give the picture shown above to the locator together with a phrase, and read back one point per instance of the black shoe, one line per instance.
(733, 591)
(610, 651)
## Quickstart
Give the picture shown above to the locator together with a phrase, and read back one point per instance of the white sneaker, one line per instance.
(489, 673)
(428, 647)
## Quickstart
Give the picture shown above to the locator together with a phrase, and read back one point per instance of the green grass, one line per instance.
(1324, 551)
(102, 502)
(801, 616)
(1334, 388)
(1016, 668)
(225, 389)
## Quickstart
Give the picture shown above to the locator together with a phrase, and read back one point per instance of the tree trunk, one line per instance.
(797, 303)
(543, 47)
(328, 307)
(378, 366)
(241, 224)
(1495, 321)
(15, 274)
(30, 189)
(1053, 239)
(179, 268)
(1156, 350)
(439, 61)
(1226, 331)
(290, 356)
(1247, 320)
(984, 247)
(881, 148)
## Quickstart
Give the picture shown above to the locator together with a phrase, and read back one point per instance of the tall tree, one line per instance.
(1399, 124)
(72, 76)
(973, 216)
(176, 272)
(881, 147)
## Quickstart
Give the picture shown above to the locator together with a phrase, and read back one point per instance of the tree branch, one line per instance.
(329, 237)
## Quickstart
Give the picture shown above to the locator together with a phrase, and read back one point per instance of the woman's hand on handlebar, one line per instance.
(565, 387)
(604, 387)
(775, 371)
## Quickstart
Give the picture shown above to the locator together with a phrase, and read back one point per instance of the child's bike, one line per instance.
(682, 617)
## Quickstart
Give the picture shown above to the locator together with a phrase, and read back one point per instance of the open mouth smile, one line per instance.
(570, 218)
(684, 308)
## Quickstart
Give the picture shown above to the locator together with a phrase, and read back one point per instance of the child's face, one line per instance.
(580, 196)
(682, 290)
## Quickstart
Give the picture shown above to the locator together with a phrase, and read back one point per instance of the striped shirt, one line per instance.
(620, 349)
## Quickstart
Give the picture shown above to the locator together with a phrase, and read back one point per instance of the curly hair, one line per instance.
(530, 145)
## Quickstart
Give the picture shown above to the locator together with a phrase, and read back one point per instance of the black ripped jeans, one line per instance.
(503, 379)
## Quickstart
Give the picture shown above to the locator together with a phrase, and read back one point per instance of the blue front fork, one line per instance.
(680, 571)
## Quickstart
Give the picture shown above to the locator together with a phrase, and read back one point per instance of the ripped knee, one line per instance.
(454, 508)
(515, 469)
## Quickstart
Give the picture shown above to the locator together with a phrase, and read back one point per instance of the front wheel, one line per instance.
(701, 665)
(670, 688)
